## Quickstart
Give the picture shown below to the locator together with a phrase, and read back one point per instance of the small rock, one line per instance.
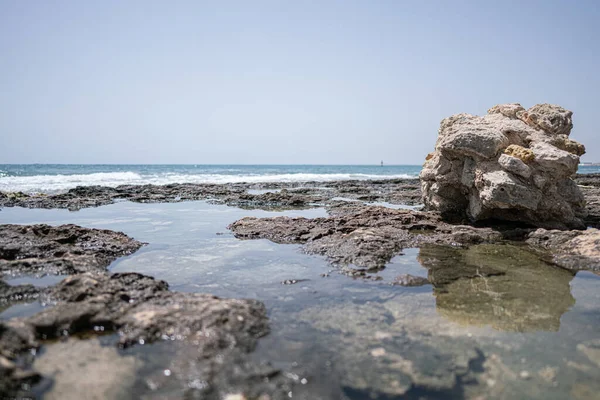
(378, 352)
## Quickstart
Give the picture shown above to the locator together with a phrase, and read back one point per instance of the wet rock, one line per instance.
(271, 200)
(379, 355)
(409, 280)
(510, 164)
(11, 294)
(189, 373)
(65, 249)
(293, 194)
(574, 250)
(363, 236)
(591, 349)
(85, 368)
(141, 310)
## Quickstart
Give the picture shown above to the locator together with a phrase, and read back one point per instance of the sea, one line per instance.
(55, 178)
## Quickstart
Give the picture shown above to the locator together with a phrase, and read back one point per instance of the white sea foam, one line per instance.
(61, 183)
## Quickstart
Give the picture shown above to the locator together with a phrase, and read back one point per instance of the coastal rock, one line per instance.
(574, 250)
(366, 237)
(279, 195)
(589, 185)
(511, 164)
(142, 310)
(409, 280)
(66, 249)
(217, 333)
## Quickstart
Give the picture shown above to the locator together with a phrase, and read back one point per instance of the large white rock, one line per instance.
(511, 164)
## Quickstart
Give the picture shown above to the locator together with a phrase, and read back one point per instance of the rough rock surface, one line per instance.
(142, 310)
(360, 239)
(589, 184)
(511, 164)
(65, 249)
(574, 250)
(366, 237)
(278, 195)
(217, 333)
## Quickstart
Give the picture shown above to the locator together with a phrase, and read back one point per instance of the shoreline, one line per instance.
(266, 196)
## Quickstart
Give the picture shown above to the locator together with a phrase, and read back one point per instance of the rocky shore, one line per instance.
(139, 308)
(358, 237)
(267, 196)
(251, 195)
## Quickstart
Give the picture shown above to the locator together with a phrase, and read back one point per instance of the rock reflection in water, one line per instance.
(504, 286)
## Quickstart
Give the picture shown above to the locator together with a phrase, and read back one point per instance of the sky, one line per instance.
(281, 82)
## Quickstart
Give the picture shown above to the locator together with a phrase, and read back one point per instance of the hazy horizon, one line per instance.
(280, 83)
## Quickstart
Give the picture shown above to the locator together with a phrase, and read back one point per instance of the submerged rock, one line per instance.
(511, 164)
(409, 280)
(505, 286)
(85, 368)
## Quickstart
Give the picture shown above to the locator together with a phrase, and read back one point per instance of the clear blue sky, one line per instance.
(281, 81)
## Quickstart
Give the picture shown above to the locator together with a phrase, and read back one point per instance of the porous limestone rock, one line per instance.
(511, 164)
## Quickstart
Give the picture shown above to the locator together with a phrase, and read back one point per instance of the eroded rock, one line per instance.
(217, 333)
(277, 195)
(142, 310)
(510, 164)
(66, 249)
(574, 250)
(366, 237)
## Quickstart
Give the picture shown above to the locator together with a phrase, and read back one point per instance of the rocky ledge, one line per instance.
(268, 196)
(246, 195)
(362, 239)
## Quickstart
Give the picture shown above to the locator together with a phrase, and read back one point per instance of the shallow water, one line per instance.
(496, 323)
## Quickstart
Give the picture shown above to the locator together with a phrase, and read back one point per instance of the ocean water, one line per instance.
(53, 178)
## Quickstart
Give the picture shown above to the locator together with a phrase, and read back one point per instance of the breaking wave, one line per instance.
(62, 183)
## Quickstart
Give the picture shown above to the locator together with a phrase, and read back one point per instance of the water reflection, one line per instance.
(506, 287)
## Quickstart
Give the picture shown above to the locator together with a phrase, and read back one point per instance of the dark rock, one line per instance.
(364, 236)
(12, 294)
(293, 194)
(142, 310)
(409, 280)
(65, 249)
(273, 200)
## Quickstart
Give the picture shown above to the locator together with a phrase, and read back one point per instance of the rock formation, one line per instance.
(511, 164)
